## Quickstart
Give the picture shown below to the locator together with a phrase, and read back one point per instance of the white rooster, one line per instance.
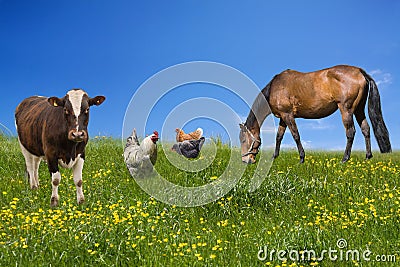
(140, 158)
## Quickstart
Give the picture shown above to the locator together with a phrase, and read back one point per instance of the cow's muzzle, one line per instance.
(77, 136)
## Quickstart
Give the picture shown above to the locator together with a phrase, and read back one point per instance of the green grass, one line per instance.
(298, 207)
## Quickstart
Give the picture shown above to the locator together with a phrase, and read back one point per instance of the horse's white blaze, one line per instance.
(75, 97)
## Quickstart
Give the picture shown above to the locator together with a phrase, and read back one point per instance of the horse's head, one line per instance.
(250, 143)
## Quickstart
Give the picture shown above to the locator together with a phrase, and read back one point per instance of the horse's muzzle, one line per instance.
(248, 160)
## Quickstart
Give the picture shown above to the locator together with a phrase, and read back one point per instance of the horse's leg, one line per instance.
(279, 137)
(347, 118)
(290, 122)
(362, 121)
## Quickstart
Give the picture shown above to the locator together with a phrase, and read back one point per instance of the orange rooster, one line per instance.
(182, 136)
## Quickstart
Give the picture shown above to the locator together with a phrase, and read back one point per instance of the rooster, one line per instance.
(182, 136)
(140, 158)
(189, 148)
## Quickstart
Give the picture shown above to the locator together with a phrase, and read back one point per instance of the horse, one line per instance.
(314, 95)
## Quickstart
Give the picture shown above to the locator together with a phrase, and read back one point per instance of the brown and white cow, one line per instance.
(55, 129)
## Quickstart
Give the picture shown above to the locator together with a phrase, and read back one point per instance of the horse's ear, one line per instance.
(241, 125)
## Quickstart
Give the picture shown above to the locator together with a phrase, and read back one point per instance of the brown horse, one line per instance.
(292, 94)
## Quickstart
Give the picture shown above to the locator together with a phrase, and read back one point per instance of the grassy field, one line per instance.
(321, 205)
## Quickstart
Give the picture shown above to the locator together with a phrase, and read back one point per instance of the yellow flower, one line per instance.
(199, 257)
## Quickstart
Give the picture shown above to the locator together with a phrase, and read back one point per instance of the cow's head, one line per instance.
(76, 105)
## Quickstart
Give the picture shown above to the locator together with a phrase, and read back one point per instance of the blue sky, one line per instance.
(112, 47)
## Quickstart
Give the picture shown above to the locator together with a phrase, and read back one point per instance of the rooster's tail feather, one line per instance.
(200, 131)
(133, 139)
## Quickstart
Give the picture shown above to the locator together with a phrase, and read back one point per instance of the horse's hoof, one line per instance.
(369, 156)
(301, 160)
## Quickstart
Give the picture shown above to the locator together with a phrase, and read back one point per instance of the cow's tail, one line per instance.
(375, 115)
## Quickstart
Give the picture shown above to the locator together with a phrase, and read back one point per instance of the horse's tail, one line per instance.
(375, 115)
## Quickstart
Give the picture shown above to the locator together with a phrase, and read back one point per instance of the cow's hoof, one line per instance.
(54, 201)
(81, 201)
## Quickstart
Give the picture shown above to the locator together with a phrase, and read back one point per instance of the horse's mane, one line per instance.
(260, 108)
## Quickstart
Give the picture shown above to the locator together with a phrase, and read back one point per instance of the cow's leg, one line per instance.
(36, 163)
(77, 172)
(32, 167)
(55, 180)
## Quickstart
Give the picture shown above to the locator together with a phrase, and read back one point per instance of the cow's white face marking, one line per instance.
(75, 97)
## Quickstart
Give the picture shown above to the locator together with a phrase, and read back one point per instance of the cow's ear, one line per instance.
(96, 100)
(55, 101)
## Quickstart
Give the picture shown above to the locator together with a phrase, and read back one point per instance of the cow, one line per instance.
(55, 129)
